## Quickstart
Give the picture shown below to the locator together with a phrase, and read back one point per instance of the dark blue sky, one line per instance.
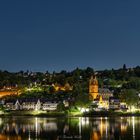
(42, 35)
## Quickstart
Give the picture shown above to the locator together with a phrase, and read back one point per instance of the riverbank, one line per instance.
(69, 114)
(33, 113)
(110, 114)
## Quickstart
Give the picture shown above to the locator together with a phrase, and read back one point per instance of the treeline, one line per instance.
(26, 78)
(123, 77)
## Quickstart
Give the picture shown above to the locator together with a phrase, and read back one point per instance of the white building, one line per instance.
(31, 104)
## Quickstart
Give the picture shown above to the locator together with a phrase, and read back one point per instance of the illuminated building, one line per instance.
(93, 88)
(100, 95)
(66, 87)
(9, 92)
(114, 103)
(31, 104)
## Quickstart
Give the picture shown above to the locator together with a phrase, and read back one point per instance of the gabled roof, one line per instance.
(104, 90)
(114, 99)
(30, 100)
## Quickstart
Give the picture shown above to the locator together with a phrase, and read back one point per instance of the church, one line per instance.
(99, 95)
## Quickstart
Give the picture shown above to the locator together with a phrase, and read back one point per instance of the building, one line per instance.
(49, 106)
(31, 104)
(9, 91)
(105, 93)
(114, 103)
(93, 88)
(100, 96)
(66, 87)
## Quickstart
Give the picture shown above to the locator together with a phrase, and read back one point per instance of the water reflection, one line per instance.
(133, 126)
(83, 128)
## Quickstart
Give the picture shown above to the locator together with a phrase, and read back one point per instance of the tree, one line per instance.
(82, 100)
(124, 67)
(130, 96)
(60, 107)
(89, 72)
(51, 89)
(134, 83)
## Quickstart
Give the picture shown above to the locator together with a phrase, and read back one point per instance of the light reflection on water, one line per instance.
(82, 128)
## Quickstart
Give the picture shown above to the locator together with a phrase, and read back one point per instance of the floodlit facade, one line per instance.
(93, 88)
(100, 96)
(28, 104)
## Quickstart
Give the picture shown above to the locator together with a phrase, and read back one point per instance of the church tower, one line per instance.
(93, 88)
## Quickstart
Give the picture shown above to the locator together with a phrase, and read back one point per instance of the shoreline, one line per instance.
(72, 114)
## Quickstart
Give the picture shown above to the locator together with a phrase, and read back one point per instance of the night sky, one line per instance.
(54, 35)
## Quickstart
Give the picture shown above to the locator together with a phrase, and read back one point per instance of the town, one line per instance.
(77, 92)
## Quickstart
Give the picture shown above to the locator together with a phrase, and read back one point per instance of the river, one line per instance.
(78, 128)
